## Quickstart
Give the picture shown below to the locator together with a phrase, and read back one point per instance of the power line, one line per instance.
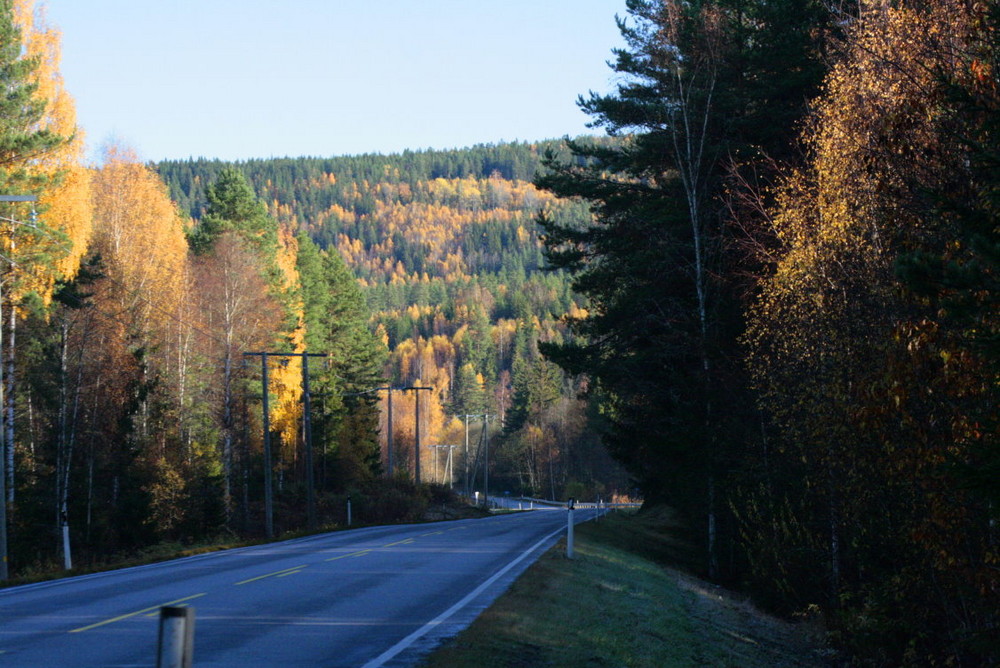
(310, 487)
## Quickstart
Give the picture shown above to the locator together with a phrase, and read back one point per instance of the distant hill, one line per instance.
(414, 227)
(446, 248)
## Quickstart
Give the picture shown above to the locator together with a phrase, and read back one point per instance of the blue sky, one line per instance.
(237, 79)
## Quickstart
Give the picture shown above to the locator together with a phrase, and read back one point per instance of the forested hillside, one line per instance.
(155, 371)
(445, 247)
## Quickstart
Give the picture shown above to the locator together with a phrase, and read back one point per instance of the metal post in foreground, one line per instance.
(176, 646)
(569, 529)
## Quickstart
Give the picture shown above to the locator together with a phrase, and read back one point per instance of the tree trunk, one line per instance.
(9, 404)
(227, 436)
(690, 136)
(834, 542)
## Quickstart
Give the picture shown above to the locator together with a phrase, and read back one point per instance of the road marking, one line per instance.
(157, 612)
(289, 573)
(432, 533)
(267, 575)
(399, 542)
(359, 553)
(387, 655)
(133, 614)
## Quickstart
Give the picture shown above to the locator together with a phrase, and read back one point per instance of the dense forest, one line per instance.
(767, 298)
(446, 250)
(215, 364)
(792, 320)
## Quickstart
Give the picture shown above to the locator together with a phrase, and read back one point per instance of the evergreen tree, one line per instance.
(233, 206)
(468, 395)
(20, 111)
(22, 144)
(336, 324)
(661, 335)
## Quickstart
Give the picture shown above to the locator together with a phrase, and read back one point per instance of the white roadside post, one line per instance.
(176, 647)
(569, 529)
(348, 510)
(67, 554)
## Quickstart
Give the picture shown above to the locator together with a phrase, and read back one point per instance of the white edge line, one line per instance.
(390, 653)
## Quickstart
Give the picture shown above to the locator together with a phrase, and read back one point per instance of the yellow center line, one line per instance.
(432, 533)
(360, 553)
(399, 542)
(267, 575)
(133, 614)
(157, 612)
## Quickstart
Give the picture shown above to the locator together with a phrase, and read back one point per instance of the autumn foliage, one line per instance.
(770, 294)
(802, 227)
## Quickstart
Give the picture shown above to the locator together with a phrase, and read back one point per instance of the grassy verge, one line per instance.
(615, 604)
(446, 507)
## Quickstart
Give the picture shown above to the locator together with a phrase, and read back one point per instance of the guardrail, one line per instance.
(579, 504)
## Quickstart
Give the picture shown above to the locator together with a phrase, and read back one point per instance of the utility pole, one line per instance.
(486, 460)
(447, 464)
(390, 390)
(3, 445)
(268, 495)
(416, 445)
(468, 482)
(389, 442)
(307, 423)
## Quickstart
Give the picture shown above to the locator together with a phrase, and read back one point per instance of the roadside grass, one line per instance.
(606, 607)
(617, 604)
(168, 550)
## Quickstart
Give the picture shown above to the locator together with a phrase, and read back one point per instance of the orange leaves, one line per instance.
(445, 209)
(877, 396)
(140, 235)
(66, 205)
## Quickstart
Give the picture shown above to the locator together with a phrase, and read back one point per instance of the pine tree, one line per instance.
(660, 339)
(234, 207)
(336, 324)
(22, 143)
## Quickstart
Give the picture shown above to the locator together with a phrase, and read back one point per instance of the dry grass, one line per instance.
(614, 605)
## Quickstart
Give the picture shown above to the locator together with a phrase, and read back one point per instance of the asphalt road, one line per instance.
(369, 597)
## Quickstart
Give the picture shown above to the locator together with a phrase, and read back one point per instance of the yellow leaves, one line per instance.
(66, 206)
(577, 313)
(435, 224)
(140, 236)
(288, 248)
(286, 384)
